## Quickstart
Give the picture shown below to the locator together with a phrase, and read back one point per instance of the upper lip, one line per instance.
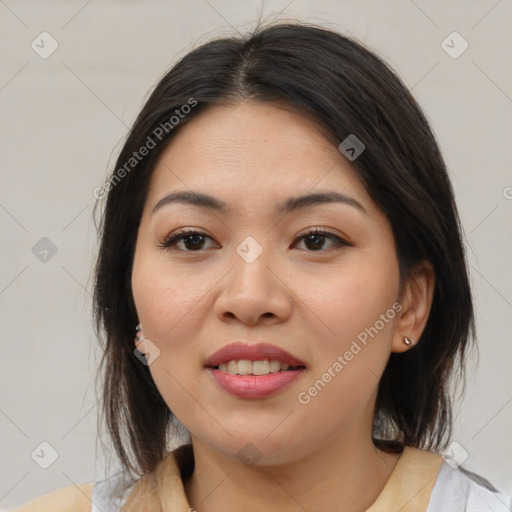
(252, 352)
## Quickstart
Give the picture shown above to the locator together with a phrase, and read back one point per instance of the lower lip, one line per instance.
(254, 386)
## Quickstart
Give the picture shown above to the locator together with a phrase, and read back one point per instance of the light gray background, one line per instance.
(62, 120)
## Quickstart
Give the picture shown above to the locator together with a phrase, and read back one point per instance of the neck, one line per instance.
(349, 470)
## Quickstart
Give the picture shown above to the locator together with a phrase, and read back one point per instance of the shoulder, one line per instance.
(72, 498)
(458, 489)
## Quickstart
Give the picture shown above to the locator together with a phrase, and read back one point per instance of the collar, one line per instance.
(408, 489)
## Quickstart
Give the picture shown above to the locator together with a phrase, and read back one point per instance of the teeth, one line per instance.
(246, 367)
(260, 367)
(232, 367)
(275, 366)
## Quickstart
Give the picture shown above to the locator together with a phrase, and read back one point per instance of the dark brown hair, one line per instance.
(345, 89)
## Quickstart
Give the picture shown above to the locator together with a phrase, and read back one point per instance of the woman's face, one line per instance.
(255, 276)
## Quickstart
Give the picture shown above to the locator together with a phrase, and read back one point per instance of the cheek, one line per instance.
(355, 299)
(169, 304)
(357, 307)
(165, 297)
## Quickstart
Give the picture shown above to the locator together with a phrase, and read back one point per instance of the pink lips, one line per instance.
(253, 386)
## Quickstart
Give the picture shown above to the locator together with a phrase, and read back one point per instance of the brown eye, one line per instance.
(314, 240)
(193, 240)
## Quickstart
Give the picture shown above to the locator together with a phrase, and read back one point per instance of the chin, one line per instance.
(253, 449)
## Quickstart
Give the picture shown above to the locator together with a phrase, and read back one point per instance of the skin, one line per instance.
(310, 300)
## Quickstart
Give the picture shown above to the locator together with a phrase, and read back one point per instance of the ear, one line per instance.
(416, 300)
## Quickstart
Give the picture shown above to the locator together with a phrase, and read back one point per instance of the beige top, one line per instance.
(408, 489)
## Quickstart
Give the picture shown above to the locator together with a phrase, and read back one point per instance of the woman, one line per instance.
(281, 232)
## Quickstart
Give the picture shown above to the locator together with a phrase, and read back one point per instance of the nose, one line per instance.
(254, 291)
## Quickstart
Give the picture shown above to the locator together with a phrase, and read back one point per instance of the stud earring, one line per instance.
(408, 341)
(139, 338)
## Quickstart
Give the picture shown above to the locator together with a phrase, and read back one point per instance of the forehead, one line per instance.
(251, 152)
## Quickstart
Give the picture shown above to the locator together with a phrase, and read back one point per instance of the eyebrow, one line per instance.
(288, 206)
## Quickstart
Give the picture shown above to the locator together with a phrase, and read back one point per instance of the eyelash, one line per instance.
(172, 240)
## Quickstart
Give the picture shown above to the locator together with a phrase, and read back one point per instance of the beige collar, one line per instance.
(408, 489)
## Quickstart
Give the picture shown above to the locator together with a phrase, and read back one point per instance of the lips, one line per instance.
(253, 386)
(239, 351)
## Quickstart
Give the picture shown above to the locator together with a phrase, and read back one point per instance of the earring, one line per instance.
(139, 336)
(408, 341)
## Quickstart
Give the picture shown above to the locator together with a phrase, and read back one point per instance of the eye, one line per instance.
(191, 238)
(315, 238)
